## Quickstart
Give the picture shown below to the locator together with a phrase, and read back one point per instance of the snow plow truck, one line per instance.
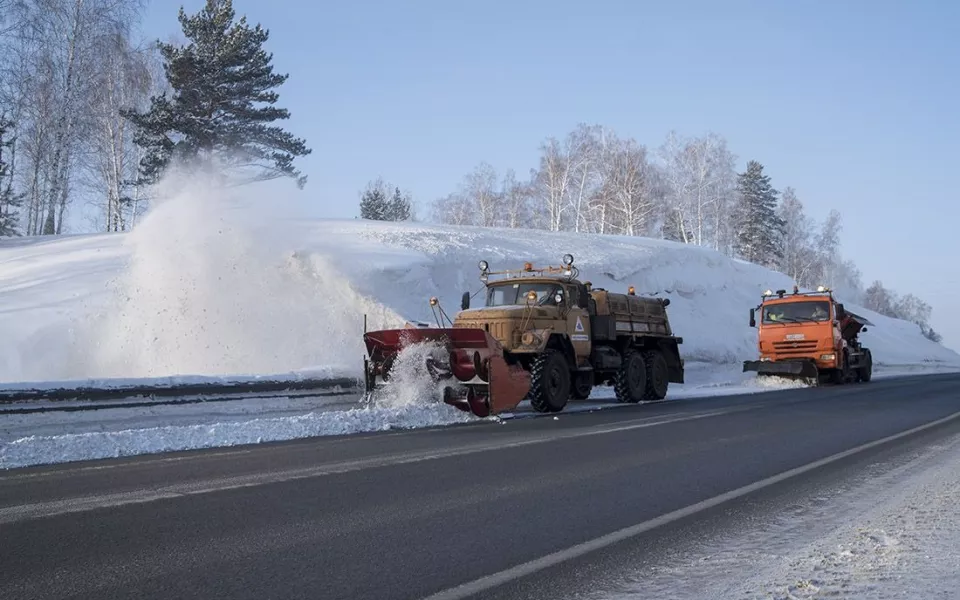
(541, 335)
(809, 336)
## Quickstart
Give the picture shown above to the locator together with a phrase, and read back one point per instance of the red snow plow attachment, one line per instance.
(470, 359)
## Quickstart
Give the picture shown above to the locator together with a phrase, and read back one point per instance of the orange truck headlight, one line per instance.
(828, 357)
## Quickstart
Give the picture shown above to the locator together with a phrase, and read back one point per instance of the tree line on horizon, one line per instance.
(685, 190)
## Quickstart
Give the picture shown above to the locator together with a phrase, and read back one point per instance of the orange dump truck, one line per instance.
(809, 335)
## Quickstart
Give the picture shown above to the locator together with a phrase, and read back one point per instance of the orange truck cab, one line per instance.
(809, 335)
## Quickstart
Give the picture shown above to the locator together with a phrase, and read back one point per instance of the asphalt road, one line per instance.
(532, 508)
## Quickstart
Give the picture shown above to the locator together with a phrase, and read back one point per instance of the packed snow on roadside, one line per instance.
(208, 288)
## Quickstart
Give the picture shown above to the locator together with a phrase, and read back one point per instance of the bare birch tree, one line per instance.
(480, 189)
(56, 51)
(799, 260)
(516, 201)
(552, 183)
(124, 81)
(699, 176)
(631, 187)
(585, 160)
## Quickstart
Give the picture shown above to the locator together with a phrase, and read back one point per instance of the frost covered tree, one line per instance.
(879, 299)
(800, 259)
(759, 237)
(400, 207)
(908, 307)
(375, 205)
(124, 80)
(631, 188)
(10, 200)
(517, 207)
(222, 102)
(50, 66)
(698, 175)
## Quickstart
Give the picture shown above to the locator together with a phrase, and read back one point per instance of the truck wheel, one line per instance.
(657, 381)
(631, 380)
(550, 382)
(841, 375)
(582, 386)
(865, 373)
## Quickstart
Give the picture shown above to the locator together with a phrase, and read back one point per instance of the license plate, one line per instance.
(794, 336)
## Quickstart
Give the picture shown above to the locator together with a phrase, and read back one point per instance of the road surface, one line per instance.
(532, 508)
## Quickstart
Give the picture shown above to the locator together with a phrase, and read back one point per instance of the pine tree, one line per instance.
(374, 204)
(218, 79)
(760, 230)
(399, 209)
(10, 202)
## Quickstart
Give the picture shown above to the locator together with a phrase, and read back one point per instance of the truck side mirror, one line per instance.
(465, 301)
(753, 317)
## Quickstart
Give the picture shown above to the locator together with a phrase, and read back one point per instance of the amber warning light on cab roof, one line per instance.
(822, 289)
(567, 270)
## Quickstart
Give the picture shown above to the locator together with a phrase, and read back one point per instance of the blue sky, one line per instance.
(853, 103)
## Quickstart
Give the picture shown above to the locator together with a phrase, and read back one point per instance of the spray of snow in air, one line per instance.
(209, 288)
(410, 384)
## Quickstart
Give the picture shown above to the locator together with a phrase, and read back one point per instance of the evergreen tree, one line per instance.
(399, 209)
(374, 204)
(10, 202)
(218, 79)
(760, 230)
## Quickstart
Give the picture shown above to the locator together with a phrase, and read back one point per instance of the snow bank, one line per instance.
(206, 286)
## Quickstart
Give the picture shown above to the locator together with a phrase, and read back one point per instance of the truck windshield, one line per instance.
(516, 293)
(796, 312)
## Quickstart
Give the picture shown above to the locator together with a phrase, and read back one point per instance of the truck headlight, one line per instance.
(828, 357)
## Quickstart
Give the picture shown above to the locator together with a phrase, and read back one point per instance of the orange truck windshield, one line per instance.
(796, 312)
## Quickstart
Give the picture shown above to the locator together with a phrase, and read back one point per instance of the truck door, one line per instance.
(578, 323)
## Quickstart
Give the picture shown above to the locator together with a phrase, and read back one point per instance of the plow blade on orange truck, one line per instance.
(470, 360)
(799, 369)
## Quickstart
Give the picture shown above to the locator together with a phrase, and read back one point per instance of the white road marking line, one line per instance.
(12, 514)
(527, 568)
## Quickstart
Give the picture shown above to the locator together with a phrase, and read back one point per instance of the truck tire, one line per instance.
(630, 383)
(582, 386)
(550, 382)
(865, 373)
(657, 375)
(841, 375)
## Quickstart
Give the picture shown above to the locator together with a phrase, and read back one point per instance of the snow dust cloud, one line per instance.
(213, 286)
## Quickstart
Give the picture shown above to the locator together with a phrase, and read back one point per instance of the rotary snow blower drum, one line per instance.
(471, 361)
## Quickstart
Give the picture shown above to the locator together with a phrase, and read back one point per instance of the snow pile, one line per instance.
(207, 285)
